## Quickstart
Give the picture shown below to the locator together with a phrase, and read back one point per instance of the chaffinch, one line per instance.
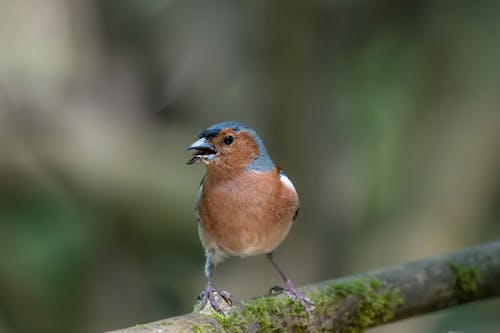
(245, 204)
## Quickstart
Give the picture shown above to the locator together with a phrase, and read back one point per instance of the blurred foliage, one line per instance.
(384, 114)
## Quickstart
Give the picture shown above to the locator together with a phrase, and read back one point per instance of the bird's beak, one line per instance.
(204, 151)
(201, 144)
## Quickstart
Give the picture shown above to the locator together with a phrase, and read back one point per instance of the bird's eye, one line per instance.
(228, 140)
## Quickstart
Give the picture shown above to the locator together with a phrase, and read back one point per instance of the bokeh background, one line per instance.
(385, 114)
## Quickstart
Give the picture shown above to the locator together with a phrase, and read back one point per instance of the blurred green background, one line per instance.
(385, 114)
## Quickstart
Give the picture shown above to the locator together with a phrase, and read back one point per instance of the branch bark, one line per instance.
(353, 303)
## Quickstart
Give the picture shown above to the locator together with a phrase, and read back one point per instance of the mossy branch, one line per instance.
(352, 304)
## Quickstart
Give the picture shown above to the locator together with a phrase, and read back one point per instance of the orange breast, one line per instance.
(247, 214)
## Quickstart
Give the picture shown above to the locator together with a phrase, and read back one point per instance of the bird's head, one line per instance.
(230, 147)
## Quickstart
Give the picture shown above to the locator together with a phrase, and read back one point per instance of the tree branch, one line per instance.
(353, 303)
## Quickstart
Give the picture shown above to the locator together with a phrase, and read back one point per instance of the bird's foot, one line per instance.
(294, 295)
(275, 290)
(219, 300)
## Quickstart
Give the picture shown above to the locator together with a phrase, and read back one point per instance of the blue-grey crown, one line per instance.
(213, 131)
(261, 162)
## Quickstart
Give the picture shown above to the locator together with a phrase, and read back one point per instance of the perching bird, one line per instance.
(245, 204)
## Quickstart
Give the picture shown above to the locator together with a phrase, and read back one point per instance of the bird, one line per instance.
(245, 203)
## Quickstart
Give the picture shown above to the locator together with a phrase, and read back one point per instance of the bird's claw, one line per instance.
(214, 296)
(295, 295)
(275, 290)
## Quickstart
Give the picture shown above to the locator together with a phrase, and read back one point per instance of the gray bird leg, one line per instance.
(290, 289)
(209, 293)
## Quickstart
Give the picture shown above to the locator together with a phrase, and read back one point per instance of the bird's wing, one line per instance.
(288, 183)
(198, 196)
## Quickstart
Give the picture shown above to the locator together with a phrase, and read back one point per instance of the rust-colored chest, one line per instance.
(247, 214)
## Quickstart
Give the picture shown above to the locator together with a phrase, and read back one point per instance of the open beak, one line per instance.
(203, 151)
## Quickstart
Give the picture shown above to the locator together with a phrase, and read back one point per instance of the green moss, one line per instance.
(359, 303)
(267, 314)
(464, 278)
(205, 328)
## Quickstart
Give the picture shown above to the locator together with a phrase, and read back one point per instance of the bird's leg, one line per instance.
(290, 289)
(209, 293)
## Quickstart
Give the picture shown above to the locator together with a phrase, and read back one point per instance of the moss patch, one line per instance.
(266, 314)
(206, 328)
(464, 278)
(356, 304)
